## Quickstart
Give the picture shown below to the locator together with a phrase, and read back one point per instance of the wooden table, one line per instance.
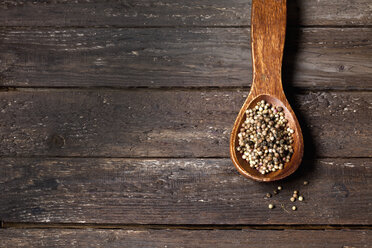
(116, 116)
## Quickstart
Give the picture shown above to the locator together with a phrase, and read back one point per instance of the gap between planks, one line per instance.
(176, 27)
(30, 225)
(150, 157)
(170, 88)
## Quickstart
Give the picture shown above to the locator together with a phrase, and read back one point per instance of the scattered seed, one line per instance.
(295, 197)
(306, 182)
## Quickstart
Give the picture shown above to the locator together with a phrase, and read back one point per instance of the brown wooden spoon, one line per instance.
(268, 27)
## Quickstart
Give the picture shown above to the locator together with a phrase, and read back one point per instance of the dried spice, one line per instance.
(265, 138)
(295, 197)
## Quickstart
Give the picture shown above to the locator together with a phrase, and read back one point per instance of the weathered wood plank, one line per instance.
(184, 238)
(168, 123)
(327, 58)
(179, 191)
(175, 13)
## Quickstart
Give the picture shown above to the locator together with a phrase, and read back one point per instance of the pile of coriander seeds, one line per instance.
(265, 138)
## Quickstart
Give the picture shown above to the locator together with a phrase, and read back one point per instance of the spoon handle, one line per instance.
(267, 36)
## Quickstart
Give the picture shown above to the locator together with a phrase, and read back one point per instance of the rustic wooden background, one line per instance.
(116, 115)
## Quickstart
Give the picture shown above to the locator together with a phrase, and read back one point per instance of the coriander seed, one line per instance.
(306, 182)
(265, 139)
(292, 199)
(271, 206)
(268, 195)
(295, 192)
(300, 198)
(294, 208)
(279, 187)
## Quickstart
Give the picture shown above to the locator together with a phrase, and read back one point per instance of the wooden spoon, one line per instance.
(267, 34)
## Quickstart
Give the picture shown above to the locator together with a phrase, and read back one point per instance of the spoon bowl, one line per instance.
(243, 166)
(267, 37)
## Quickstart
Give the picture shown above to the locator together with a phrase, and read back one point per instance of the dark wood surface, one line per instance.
(191, 239)
(168, 123)
(175, 13)
(116, 116)
(314, 58)
(180, 191)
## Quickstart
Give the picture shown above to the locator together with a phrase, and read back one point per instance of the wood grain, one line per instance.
(175, 13)
(179, 191)
(174, 238)
(168, 123)
(268, 30)
(327, 58)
